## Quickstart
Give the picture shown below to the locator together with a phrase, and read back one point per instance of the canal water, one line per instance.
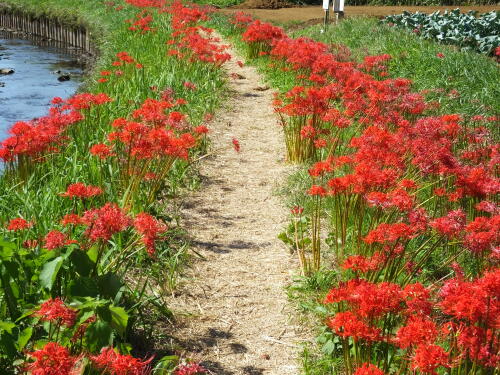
(26, 94)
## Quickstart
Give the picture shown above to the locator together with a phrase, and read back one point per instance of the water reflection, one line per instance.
(27, 93)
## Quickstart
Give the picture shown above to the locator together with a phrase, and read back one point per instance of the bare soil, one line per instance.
(236, 315)
(258, 8)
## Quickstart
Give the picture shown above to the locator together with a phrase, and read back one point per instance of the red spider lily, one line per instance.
(417, 299)
(481, 345)
(55, 240)
(101, 150)
(190, 369)
(45, 135)
(417, 331)
(489, 207)
(368, 299)
(52, 359)
(389, 233)
(475, 301)
(398, 198)
(241, 20)
(260, 36)
(150, 228)
(71, 219)
(103, 222)
(117, 364)
(428, 358)
(317, 190)
(482, 234)
(55, 310)
(142, 22)
(202, 129)
(450, 225)
(364, 264)
(80, 190)
(18, 224)
(368, 369)
(86, 100)
(396, 153)
(347, 324)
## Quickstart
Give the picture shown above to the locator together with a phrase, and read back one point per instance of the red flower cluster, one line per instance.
(18, 224)
(262, 32)
(80, 190)
(55, 240)
(103, 222)
(47, 134)
(149, 228)
(142, 22)
(368, 369)
(117, 364)
(189, 39)
(53, 359)
(55, 310)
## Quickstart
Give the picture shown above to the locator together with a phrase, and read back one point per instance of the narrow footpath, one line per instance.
(237, 316)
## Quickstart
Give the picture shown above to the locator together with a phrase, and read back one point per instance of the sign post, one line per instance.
(326, 8)
(338, 9)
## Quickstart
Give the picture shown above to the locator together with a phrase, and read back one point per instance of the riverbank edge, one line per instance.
(72, 33)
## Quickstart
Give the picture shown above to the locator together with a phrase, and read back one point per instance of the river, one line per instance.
(26, 94)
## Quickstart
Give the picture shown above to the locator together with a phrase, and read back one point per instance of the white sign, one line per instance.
(326, 4)
(338, 6)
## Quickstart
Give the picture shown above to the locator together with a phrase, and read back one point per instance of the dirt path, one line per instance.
(239, 321)
(308, 13)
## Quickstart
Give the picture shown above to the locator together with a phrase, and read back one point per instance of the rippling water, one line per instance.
(27, 93)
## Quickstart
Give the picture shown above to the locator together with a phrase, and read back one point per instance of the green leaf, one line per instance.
(119, 319)
(24, 337)
(81, 262)
(98, 335)
(49, 272)
(7, 345)
(6, 249)
(93, 253)
(328, 348)
(284, 237)
(166, 365)
(7, 326)
(109, 285)
(83, 287)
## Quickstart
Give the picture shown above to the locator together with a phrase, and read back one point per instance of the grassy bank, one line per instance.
(85, 197)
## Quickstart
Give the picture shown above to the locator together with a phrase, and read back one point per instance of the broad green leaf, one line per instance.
(49, 272)
(93, 253)
(98, 335)
(7, 326)
(81, 262)
(109, 285)
(7, 345)
(83, 287)
(6, 249)
(24, 337)
(119, 319)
